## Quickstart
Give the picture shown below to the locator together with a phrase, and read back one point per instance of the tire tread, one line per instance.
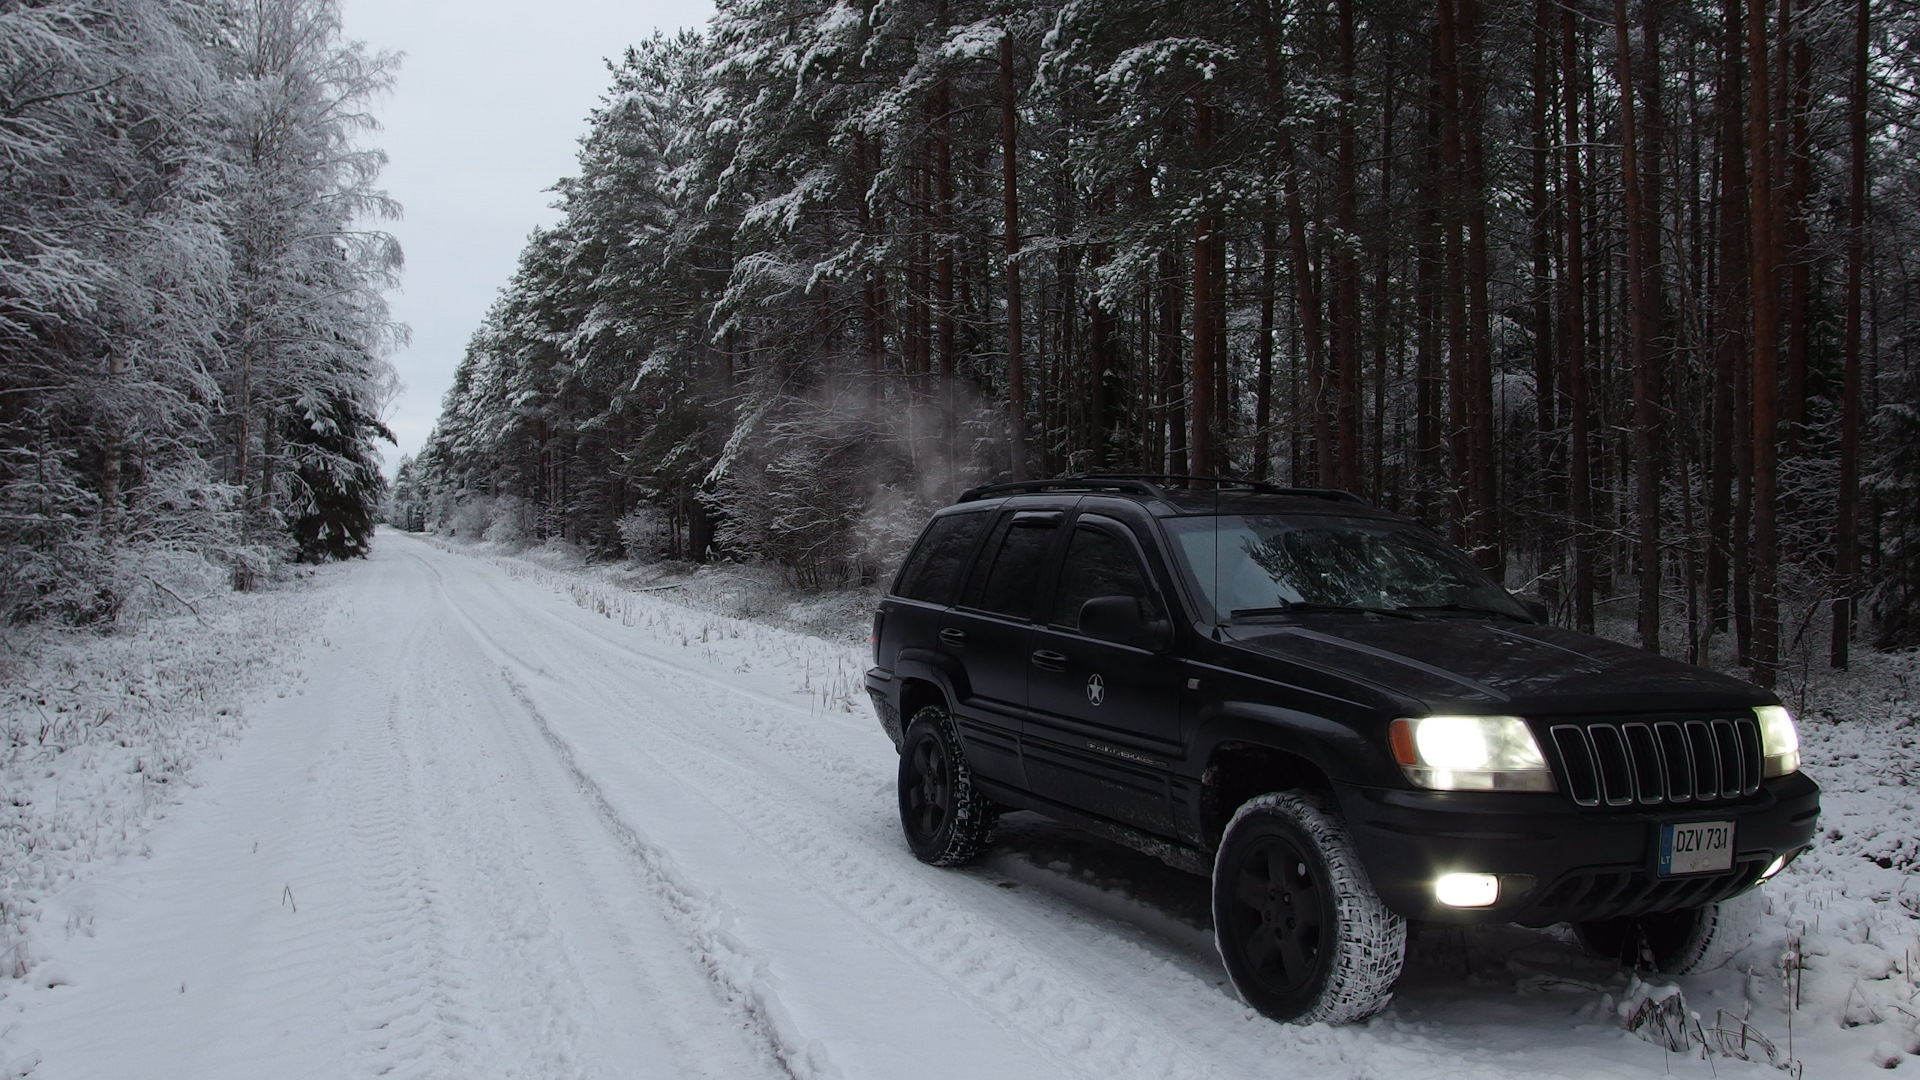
(1371, 945)
(974, 814)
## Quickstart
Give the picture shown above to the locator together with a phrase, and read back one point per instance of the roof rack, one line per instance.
(1150, 484)
(1130, 484)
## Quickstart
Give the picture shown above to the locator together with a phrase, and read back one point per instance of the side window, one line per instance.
(934, 568)
(1098, 563)
(1013, 560)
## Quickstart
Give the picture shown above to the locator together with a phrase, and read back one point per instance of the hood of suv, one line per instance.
(1489, 665)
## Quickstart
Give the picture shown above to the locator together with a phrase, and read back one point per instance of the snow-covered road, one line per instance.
(503, 827)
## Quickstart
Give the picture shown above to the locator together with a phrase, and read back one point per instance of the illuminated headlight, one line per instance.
(1467, 890)
(1779, 742)
(1470, 753)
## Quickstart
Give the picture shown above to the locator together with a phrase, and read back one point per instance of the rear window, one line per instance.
(934, 568)
(1013, 575)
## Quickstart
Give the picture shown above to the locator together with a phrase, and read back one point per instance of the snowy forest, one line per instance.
(193, 334)
(1622, 298)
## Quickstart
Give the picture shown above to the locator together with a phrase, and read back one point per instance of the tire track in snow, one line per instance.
(728, 960)
(703, 920)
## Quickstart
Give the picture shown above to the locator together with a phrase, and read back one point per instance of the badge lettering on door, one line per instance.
(1096, 690)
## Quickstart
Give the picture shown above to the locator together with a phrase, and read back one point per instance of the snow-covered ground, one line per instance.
(484, 817)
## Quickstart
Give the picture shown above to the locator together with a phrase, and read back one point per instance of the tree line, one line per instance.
(1619, 294)
(192, 328)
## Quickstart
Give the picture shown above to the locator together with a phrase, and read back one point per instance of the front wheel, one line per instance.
(1685, 942)
(1302, 933)
(946, 820)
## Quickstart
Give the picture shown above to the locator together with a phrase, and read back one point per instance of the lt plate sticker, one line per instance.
(1697, 847)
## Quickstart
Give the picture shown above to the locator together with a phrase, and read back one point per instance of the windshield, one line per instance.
(1261, 565)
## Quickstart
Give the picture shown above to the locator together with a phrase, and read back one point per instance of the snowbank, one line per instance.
(101, 731)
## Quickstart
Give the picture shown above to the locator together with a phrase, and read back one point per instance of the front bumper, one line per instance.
(1558, 862)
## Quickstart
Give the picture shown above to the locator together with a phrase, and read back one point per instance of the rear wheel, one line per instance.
(947, 821)
(1677, 942)
(1302, 933)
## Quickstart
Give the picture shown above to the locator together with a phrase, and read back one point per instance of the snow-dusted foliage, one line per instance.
(192, 333)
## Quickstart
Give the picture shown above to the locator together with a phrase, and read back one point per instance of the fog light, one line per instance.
(1467, 890)
(1774, 867)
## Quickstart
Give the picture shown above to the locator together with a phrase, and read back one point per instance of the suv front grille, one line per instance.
(1658, 762)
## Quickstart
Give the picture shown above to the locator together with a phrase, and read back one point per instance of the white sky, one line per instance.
(491, 100)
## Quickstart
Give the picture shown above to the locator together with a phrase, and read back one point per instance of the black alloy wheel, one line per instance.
(927, 798)
(946, 821)
(1280, 913)
(1302, 932)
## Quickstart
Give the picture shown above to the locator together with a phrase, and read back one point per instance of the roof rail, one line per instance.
(1132, 485)
(1260, 487)
(1149, 484)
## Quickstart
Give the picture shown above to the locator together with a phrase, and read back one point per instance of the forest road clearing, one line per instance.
(495, 833)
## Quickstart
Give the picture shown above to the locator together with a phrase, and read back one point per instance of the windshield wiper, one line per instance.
(1466, 608)
(1309, 607)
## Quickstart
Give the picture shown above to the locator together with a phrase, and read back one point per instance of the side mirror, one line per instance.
(1123, 620)
(1536, 610)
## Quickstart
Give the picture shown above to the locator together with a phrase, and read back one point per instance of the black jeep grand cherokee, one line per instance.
(1333, 713)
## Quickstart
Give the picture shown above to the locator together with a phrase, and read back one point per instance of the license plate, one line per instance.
(1696, 847)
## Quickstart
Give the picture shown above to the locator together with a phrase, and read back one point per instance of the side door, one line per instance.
(987, 635)
(1104, 721)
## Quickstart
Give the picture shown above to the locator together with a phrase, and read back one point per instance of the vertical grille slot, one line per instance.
(1750, 753)
(1576, 758)
(1731, 768)
(1679, 763)
(1616, 772)
(1649, 778)
(1706, 760)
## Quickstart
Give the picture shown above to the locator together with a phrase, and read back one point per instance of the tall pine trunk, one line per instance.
(1202, 372)
(1579, 410)
(1010, 185)
(1766, 558)
(1847, 558)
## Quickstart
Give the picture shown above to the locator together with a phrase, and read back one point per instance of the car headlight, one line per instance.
(1779, 741)
(1470, 753)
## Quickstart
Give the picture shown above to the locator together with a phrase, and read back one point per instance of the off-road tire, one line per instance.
(1316, 945)
(946, 820)
(1677, 942)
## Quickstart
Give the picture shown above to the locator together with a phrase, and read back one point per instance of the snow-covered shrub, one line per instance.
(469, 518)
(50, 553)
(646, 533)
(821, 487)
(511, 523)
(886, 530)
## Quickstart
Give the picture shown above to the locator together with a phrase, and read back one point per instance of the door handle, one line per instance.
(953, 637)
(1049, 661)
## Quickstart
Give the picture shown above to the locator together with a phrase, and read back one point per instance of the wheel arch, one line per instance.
(1250, 749)
(916, 693)
(1240, 769)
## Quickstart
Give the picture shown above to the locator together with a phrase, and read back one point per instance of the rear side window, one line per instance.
(937, 562)
(1013, 572)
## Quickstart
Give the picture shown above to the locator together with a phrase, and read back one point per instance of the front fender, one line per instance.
(1345, 754)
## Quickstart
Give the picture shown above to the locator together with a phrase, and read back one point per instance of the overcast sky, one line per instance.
(491, 101)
